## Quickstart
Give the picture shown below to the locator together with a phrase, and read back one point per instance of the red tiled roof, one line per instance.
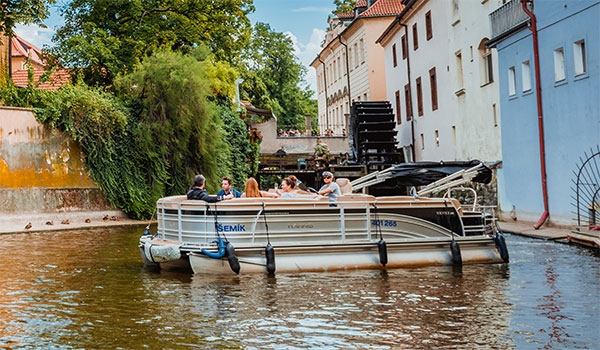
(22, 48)
(383, 8)
(57, 79)
(361, 3)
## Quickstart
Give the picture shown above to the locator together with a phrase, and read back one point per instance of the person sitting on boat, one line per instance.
(330, 189)
(252, 190)
(198, 192)
(227, 189)
(288, 185)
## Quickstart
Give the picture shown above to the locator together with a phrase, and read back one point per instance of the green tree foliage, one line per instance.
(172, 118)
(104, 38)
(22, 11)
(273, 76)
(343, 6)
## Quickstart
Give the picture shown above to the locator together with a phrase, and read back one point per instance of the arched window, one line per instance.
(487, 67)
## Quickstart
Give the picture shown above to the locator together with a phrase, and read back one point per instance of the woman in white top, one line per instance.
(288, 185)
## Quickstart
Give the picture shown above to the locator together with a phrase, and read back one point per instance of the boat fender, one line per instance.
(383, 256)
(270, 255)
(219, 254)
(146, 232)
(160, 253)
(233, 260)
(456, 256)
(501, 246)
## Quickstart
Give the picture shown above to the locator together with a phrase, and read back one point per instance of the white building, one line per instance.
(440, 80)
(350, 65)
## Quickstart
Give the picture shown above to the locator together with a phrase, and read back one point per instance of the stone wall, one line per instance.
(42, 170)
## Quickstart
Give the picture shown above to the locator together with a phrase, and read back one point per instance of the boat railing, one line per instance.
(458, 178)
(195, 222)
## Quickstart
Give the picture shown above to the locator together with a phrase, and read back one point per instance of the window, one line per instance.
(579, 57)
(355, 55)
(437, 139)
(344, 63)
(460, 83)
(454, 135)
(394, 58)
(428, 29)
(415, 39)
(365, 96)
(512, 90)
(495, 115)
(351, 58)
(334, 72)
(419, 97)
(339, 68)
(404, 47)
(362, 51)
(455, 12)
(408, 102)
(526, 76)
(487, 68)
(398, 116)
(422, 142)
(559, 64)
(433, 83)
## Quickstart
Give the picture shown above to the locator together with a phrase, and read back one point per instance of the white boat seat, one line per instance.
(345, 185)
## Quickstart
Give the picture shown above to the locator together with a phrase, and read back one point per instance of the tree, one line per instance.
(343, 6)
(22, 11)
(104, 38)
(273, 75)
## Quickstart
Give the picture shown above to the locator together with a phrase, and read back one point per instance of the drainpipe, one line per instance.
(325, 84)
(538, 91)
(412, 118)
(347, 70)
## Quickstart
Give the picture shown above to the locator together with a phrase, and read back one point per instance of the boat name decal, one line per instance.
(386, 223)
(445, 212)
(300, 226)
(231, 228)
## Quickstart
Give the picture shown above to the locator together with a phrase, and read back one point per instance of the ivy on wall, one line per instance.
(167, 121)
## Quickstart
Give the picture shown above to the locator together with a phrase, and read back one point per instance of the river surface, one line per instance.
(89, 290)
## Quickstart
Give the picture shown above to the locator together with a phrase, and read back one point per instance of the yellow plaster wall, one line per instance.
(33, 156)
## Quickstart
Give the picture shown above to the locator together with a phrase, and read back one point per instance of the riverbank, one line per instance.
(43, 222)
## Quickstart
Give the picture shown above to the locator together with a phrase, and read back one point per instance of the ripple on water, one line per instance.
(68, 290)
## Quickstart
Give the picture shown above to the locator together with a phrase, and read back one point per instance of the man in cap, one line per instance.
(330, 189)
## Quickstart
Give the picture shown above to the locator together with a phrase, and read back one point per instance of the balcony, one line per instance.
(508, 17)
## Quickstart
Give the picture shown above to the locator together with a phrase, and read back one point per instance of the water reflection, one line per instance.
(87, 289)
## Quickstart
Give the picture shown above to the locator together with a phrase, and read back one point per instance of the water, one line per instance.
(89, 290)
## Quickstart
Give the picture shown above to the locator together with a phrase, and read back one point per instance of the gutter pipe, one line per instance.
(412, 117)
(325, 84)
(347, 71)
(538, 91)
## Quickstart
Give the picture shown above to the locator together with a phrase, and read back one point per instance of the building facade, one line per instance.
(350, 65)
(441, 80)
(569, 61)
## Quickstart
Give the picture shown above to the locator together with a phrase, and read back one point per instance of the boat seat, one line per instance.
(345, 185)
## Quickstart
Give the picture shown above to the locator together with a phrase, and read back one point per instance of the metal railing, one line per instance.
(193, 224)
(507, 17)
(587, 189)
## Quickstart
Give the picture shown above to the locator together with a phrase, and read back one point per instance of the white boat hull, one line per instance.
(311, 235)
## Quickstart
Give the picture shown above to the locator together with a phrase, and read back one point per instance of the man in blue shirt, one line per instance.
(227, 189)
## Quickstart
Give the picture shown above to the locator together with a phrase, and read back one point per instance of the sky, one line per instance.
(303, 20)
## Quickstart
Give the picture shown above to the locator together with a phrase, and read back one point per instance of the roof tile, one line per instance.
(383, 8)
(57, 79)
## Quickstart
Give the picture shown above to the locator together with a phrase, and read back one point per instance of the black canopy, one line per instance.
(424, 173)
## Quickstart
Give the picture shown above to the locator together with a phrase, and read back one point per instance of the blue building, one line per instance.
(569, 56)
